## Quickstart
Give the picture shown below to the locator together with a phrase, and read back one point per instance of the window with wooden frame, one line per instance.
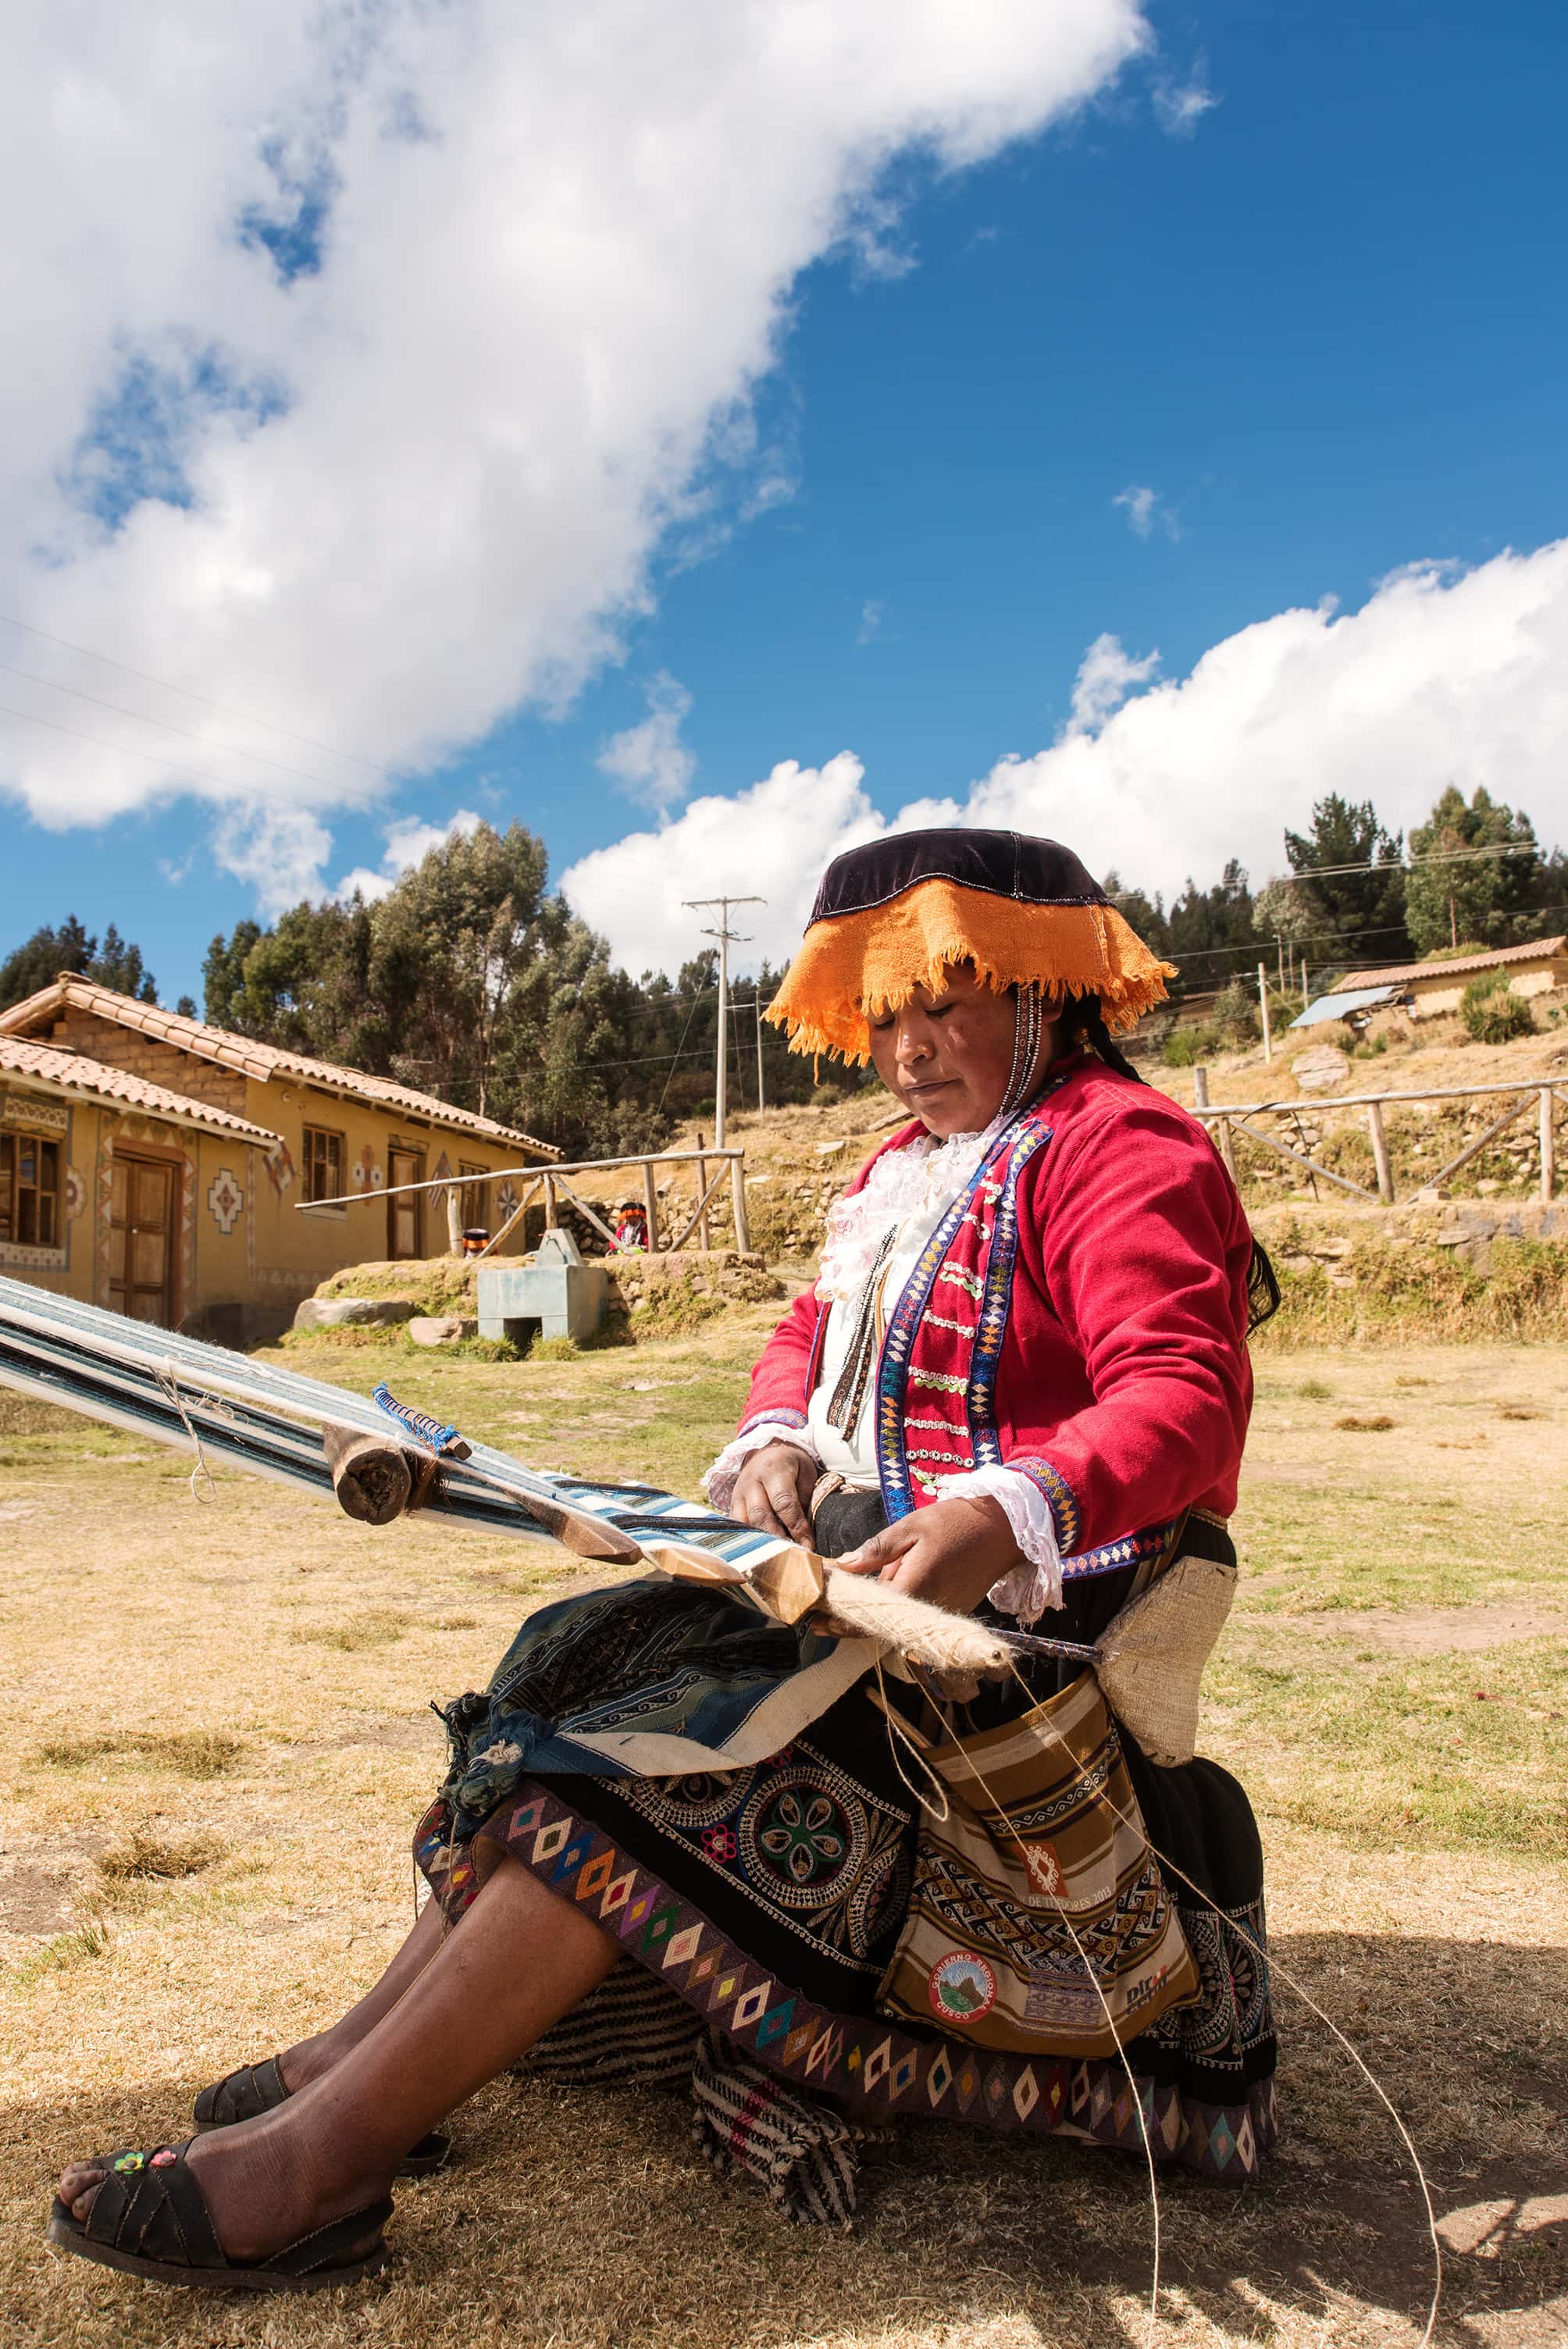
(30, 1204)
(323, 1164)
(475, 1197)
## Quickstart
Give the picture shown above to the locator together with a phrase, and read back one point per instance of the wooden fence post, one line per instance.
(737, 1195)
(1380, 1153)
(1228, 1152)
(1548, 1145)
(454, 1221)
(703, 1238)
(651, 1201)
(549, 1204)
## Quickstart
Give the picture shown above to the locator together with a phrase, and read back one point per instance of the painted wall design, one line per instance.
(225, 1199)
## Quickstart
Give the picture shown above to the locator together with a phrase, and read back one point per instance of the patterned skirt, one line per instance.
(770, 1900)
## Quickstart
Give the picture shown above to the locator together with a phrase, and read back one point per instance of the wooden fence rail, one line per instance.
(1224, 1119)
(552, 1180)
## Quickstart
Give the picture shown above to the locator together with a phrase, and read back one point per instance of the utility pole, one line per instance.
(727, 938)
(761, 1102)
(1264, 1008)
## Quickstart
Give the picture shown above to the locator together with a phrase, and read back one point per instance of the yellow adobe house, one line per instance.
(1437, 987)
(168, 1170)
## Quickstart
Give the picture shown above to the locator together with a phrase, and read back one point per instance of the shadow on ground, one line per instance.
(580, 2219)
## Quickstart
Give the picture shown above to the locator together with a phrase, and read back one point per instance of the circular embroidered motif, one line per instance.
(702, 1798)
(800, 1840)
(128, 2162)
(962, 1986)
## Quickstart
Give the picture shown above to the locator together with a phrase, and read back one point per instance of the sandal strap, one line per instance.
(150, 2206)
(333, 2245)
(242, 2096)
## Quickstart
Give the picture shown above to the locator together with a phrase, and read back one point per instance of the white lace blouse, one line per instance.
(908, 1193)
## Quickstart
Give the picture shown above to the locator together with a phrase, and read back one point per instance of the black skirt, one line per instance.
(771, 1900)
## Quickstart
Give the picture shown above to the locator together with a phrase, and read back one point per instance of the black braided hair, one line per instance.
(1086, 1022)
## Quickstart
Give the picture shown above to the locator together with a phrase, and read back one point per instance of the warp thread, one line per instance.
(169, 1381)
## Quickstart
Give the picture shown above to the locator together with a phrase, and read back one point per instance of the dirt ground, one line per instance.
(215, 1737)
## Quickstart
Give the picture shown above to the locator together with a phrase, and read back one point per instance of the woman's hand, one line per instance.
(773, 1491)
(950, 1554)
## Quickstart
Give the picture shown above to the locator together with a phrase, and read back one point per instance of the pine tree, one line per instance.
(71, 948)
(1456, 896)
(1355, 891)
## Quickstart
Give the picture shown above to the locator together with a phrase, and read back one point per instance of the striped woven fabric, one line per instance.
(634, 2032)
(806, 2155)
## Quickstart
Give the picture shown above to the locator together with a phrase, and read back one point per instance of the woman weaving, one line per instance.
(1019, 1389)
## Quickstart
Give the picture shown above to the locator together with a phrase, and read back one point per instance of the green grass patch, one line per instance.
(1467, 1752)
(77, 1946)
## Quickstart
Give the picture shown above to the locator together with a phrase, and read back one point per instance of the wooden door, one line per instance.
(141, 1239)
(404, 1215)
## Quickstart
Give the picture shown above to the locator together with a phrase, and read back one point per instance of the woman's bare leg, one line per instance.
(309, 2058)
(520, 1959)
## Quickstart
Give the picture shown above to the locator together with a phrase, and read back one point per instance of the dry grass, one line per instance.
(205, 1855)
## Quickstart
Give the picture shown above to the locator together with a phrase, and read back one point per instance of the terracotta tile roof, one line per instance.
(71, 1072)
(251, 1059)
(1461, 966)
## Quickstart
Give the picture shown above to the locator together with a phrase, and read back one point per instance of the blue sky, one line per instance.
(1313, 336)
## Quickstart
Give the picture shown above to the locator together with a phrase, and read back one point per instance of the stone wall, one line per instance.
(149, 1057)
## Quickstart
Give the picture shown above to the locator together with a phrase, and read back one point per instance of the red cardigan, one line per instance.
(1124, 1375)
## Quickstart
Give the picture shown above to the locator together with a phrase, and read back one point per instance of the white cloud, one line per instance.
(770, 841)
(408, 841)
(1443, 676)
(650, 762)
(372, 351)
(1181, 106)
(1145, 510)
(278, 850)
(871, 621)
(1106, 675)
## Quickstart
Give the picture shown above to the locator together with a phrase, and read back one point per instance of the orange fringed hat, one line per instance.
(898, 913)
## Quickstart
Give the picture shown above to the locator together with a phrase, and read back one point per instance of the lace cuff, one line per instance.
(719, 1482)
(1027, 1588)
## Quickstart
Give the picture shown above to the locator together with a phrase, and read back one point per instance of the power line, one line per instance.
(190, 695)
(226, 783)
(229, 749)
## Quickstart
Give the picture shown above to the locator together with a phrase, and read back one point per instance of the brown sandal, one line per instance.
(259, 2088)
(149, 2218)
